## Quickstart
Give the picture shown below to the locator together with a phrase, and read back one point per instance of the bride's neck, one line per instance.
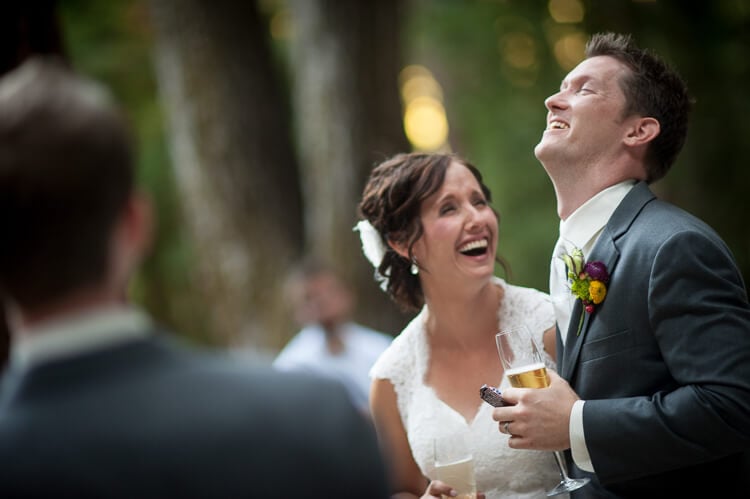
(464, 320)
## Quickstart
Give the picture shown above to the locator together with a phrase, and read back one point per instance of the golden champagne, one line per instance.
(528, 376)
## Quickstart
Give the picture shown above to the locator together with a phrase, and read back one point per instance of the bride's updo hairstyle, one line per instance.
(391, 202)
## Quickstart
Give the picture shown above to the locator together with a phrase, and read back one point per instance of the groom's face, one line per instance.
(585, 123)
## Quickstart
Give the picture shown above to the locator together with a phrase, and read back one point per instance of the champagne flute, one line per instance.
(454, 464)
(524, 366)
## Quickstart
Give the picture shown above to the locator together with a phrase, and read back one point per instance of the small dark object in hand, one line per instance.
(491, 395)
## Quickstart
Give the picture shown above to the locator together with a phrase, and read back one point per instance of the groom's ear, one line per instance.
(643, 131)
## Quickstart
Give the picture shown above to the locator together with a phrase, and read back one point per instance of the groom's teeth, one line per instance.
(559, 125)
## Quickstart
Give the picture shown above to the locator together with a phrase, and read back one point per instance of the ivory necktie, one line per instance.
(559, 289)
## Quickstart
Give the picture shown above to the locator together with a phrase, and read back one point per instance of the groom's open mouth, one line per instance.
(558, 125)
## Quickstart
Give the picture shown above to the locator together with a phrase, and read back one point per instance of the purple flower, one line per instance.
(597, 271)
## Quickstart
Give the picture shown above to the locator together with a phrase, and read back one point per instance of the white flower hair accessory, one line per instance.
(373, 248)
(372, 244)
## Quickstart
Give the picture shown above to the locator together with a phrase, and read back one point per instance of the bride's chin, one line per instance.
(486, 274)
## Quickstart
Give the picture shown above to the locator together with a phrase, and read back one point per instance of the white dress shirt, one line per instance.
(580, 230)
(308, 351)
(78, 333)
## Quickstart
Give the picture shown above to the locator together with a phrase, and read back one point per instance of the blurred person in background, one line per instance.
(97, 400)
(330, 343)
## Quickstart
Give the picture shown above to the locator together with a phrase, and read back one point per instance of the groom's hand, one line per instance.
(537, 418)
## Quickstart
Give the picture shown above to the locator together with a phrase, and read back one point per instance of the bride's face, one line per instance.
(460, 229)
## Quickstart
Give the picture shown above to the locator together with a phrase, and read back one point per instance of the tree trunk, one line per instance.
(231, 149)
(346, 59)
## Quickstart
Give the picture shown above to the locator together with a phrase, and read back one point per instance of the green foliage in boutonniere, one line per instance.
(588, 281)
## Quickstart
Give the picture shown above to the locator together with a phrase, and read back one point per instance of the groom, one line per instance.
(97, 401)
(653, 397)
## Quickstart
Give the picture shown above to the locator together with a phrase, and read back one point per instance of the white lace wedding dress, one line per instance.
(501, 472)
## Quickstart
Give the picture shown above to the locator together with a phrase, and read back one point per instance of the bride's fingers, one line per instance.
(436, 488)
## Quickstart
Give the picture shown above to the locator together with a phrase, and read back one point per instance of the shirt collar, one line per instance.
(78, 333)
(591, 217)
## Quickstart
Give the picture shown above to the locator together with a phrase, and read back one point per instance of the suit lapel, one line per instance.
(606, 251)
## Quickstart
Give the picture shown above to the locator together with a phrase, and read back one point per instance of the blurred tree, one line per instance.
(345, 60)
(107, 40)
(233, 157)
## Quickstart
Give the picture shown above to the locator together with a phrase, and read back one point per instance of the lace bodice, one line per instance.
(501, 472)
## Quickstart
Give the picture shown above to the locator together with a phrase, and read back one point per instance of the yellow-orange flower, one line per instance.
(597, 291)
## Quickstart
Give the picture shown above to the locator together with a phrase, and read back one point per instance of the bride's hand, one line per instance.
(436, 488)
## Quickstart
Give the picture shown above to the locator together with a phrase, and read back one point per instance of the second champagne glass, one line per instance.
(524, 366)
(454, 464)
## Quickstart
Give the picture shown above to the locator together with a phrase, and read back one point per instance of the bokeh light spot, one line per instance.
(518, 50)
(425, 123)
(566, 11)
(569, 50)
(425, 120)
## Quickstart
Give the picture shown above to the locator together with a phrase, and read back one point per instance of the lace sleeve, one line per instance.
(403, 363)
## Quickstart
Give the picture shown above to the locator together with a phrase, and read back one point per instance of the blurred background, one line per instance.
(259, 121)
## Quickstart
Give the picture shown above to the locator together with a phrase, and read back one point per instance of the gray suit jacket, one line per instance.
(664, 362)
(156, 419)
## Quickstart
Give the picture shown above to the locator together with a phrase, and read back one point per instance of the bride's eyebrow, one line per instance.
(443, 200)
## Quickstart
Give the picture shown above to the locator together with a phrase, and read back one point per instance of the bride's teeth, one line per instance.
(473, 245)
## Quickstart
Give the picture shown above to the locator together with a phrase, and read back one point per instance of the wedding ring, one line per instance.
(505, 427)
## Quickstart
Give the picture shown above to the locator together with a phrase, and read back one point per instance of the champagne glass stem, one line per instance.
(561, 464)
(566, 484)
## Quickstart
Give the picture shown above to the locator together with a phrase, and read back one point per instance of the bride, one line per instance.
(430, 232)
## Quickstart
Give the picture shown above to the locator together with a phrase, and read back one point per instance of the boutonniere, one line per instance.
(588, 281)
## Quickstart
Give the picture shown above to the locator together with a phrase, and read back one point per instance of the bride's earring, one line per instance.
(414, 268)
